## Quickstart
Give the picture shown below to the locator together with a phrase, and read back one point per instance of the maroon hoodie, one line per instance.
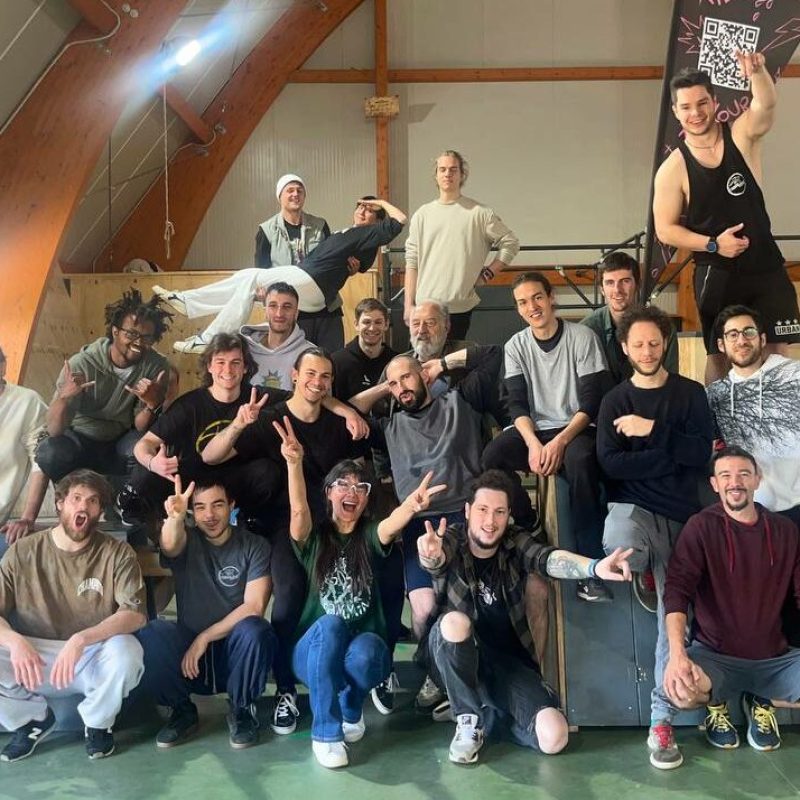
(737, 577)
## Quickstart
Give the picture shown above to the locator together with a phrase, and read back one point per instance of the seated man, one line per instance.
(733, 564)
(109, 393)
(23, 414)
(481, 648)
(74, 595)
(221, 641)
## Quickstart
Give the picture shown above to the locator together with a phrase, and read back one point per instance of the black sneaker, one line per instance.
(593, 590)
(719, 728)
(383, 694)
(182, 723)
(762, 725)
(99, 743)
(285, 714)
(243, 727)
(25, 739)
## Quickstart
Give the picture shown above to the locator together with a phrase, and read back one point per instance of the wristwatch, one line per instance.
(711, 245)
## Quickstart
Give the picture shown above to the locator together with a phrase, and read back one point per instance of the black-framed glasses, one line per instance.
(733, 334)
(362, 489)
(135, 336)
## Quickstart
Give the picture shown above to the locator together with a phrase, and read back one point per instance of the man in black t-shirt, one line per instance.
(221, 641)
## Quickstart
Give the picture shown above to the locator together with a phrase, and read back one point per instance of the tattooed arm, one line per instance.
(570, 566)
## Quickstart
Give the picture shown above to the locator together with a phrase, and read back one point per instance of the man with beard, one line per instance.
(734, 564)
(481, 646)
(74, 595)
(654, 436)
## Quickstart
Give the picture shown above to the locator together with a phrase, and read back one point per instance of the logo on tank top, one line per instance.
(736, 184)
(229, 576)
(90, 585)
(788, 328)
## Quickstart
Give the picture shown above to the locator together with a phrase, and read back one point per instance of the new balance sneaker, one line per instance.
(383, 694)
(762, 725)
(719, 728)
(182, 723)
(593, 590)
(285, 714)
(330, 754)
(172, 299)
(25, 739)
(243, 727)
(467, 741)
(644, 590)
(99, 743)
(664, 753)
(354, 731)
(428, 696)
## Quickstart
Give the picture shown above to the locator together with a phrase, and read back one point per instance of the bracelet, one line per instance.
(443, 364)
(150, 462)
(592, 568)
(154, 411)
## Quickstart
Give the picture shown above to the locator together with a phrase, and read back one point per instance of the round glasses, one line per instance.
(732, 335)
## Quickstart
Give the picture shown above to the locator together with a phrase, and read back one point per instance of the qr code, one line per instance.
(721, 38)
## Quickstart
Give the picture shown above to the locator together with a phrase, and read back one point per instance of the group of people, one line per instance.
(261, 485)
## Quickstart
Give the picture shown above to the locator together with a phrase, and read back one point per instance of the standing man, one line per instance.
(654, 436)
(713, 178)
(619, 284)
(68, 630)
(448, 242)
(554, 376)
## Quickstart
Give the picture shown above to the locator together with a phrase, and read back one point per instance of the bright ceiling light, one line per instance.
(187, 52)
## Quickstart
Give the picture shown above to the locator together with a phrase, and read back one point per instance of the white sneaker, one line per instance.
(354, 731)
(191, 346)
(467, 741)
(172, 299)
(428, 696)
(330, 754)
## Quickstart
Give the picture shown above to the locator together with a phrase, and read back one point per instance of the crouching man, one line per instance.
(481, 647)
(221, 642)
(74, 595)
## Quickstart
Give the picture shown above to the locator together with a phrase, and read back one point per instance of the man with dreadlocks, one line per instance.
(109, 393)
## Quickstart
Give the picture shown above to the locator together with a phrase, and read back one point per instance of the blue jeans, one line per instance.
(339, 670)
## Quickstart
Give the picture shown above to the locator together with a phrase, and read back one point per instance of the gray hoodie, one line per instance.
(274, 366)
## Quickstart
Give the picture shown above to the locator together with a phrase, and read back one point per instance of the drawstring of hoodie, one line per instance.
(732, 551)
(760, 393)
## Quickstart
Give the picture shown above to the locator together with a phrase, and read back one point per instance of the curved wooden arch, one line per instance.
(239, 106)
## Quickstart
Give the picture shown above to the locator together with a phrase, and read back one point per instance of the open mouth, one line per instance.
(349, 505)
(80, 520)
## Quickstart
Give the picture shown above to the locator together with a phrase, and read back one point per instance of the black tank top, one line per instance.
(726, 195)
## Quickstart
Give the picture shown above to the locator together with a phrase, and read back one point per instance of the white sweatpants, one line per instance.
(231, 299)
(105, 674)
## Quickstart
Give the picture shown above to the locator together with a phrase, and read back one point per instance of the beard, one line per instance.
(78, 533)
(477, 540)
(416, 402)
(742, 504)
(651, 370)
(746, 358)
(426, 350)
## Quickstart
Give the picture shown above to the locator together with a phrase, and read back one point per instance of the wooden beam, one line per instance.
(48, 153)
(381, 89)
(240, 106)
(96, 14)
(193, 121)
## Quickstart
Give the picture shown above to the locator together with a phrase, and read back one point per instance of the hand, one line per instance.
(162, 464)
(420, 498)
(291, 449)
(150, 393)
(615, 567)
(356, 425)
(407, 309)
(16, 529)
(63, 672)
(681, 678)
(432, 369)
(190, 663)
(73, 383)
(729, 244)
(27, 664)
(353, 265)
(633, 425)
(248, 412)
(535, 458)
(429, 545)
(553, 455)
(176, 505)
(749, 63)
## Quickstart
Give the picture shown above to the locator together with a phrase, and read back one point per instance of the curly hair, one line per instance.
(132, 304)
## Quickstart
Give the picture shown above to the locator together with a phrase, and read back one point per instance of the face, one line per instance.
(406, 385)
(132, 339)
(645, 348)
(741, 342)
(448, 173)
(364, 215)
(313, 380)
(428, 331)
(212, 511)
(694, 108)
(79, 512)
(487, 518)
(619, 290)
(735, 480)
(348, 497)
(227, 369)
(293, 197)
(371, 327)
(534, 305)
(281, 312)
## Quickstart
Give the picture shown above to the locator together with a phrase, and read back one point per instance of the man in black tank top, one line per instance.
(708, 200)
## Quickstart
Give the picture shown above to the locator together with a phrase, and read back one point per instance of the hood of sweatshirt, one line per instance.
(274, 365)
(758, 377)
(256, 337)
(729, 525)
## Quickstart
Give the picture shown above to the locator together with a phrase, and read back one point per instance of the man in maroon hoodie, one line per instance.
(734, 563)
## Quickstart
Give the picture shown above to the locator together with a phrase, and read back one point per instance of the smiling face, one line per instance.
(428, 331)
(212, 512)
(364, 215)
(741, 342)
(619, 290)
(79, 512)
(348, 497)
(645, 348)
(487, 519)
(371, 327)
(227, 369)
(131, 340)
(695, 109)
(735, 480)
(535, 305)
(293, 197)
(281, 312)
(313, 379)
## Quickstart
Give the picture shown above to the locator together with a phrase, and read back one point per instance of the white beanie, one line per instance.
(286, 179)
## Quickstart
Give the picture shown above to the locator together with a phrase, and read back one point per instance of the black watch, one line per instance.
(443, 364)
(711, 245)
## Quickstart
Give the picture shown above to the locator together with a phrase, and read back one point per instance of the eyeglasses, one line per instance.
(361, 489)
(135, 336)
(732, 335)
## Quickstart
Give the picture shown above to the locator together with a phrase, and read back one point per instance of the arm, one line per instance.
(436, 366)
(431, 549)
(37, 488)
(173, 530)
(393, 212)
(364, 401)
(564, 564)
(69, 387)
(760, 115)
(411, 266)
(151, 394)
(355, 424)
(299, 512)
(221, 447)
(480, 387)
(506, 242)
(681, 674)
(419, 500)
(151, 452)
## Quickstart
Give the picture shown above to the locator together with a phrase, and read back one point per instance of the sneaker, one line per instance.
(25, 739)
(330, 754)
(284, 717)
(593, 590)
(194, 346)
(354, 731)
(172, 299)
(182, 723)
(762, 725)
(428, 696)
(664, 753)
(467, 741)
(243, 727)
(644, 589)
(442, 712)
(719, 728)
(383, 694)
(99, 743)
